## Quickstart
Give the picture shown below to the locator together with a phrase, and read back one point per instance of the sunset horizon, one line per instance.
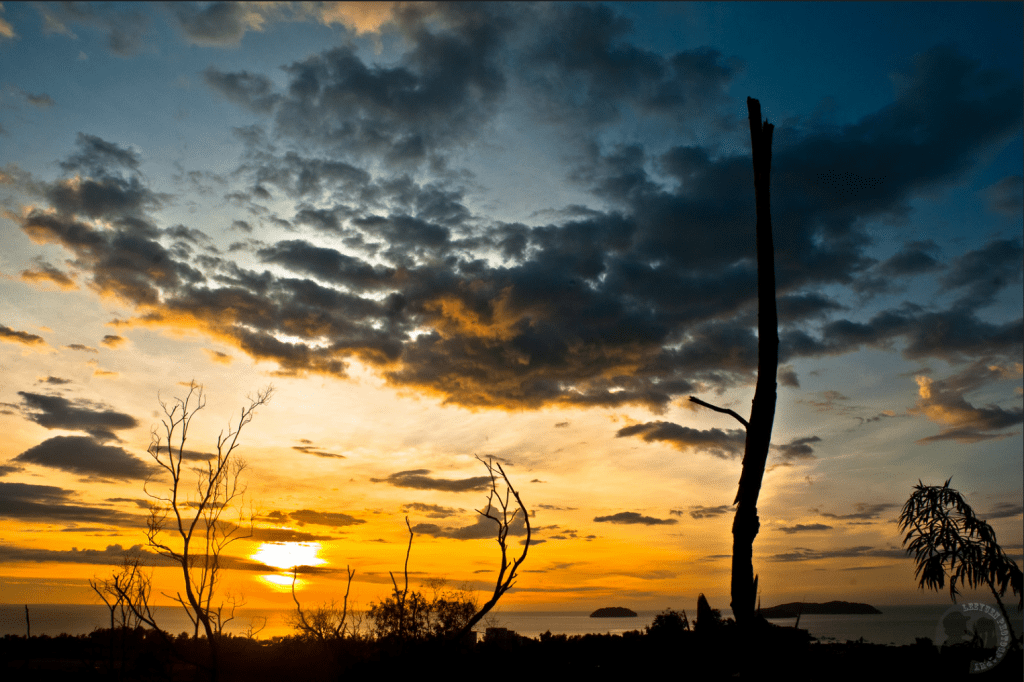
(446, 234)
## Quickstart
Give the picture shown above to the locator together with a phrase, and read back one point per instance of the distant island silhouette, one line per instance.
(613, 612)
(831, 608)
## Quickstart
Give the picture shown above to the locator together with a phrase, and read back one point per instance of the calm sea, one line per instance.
(896, 624)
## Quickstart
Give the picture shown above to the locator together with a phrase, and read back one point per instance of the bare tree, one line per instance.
(197, 534)
(126, 594)
(503, 519)
(762, 413)
(327, 621)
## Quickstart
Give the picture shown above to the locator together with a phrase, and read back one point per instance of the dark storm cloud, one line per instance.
(637, 304)
(985, 271)
(952, 335)
(914, 259)
(804, 528)
(57, 412)
(481, 528)
(444, 88)
(634, 518)
(418, 478)
(47, 503)
(717, 442)
(84, 455)
(865, 511)
(16, 336)
(328, 265)
(1006, 197)
(582, 64)
(253, 91)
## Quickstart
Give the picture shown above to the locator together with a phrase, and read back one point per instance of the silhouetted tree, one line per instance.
(326, 622)
(198, 535)
(507, 571)
(944, 534)
(762, 413)
(126, 594)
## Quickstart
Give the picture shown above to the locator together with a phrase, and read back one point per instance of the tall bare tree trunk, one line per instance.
(762, 413)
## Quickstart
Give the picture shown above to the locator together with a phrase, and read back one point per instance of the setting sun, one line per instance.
(288, 554)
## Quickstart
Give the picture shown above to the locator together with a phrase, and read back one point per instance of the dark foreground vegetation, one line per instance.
(665, 646)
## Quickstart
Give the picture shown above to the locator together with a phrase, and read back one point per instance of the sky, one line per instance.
(524, 232)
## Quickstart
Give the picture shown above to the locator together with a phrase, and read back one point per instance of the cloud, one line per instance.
(126, 31)
(805, 554)
(417, 478)
(984, 272)
(78, 346)
(634, 518)
(482, 528)
(724, 444)
(943, 402)
(432, 511)
(113, 341)
(1006, 196)
(334, 519)
(84, 455)
(15, 336)
(42, 100)
(218, 356)
(113, 555)
(48, 273)
(1004, 510)
(636, 303)
(57, 412)
(798, 448)
(253, 91)
(51, 504)
(311, 450)
(6, 469)
(702, 512)
(804, 528)
(865, 511)
(915, 258)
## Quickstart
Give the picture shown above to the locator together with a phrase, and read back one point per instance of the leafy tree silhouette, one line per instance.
(945, 535)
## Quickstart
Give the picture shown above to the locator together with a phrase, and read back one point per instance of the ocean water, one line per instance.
(897, 624)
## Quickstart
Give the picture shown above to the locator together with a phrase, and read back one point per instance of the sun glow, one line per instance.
(289, 554)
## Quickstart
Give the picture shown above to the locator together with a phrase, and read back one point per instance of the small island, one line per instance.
(831, 608)
(613, 612)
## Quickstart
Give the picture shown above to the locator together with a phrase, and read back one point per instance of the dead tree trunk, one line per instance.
(762, 414)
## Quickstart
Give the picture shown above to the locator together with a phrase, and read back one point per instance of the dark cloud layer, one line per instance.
(51, 504)
(638, 302)
(84, 455)
(57, 412)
